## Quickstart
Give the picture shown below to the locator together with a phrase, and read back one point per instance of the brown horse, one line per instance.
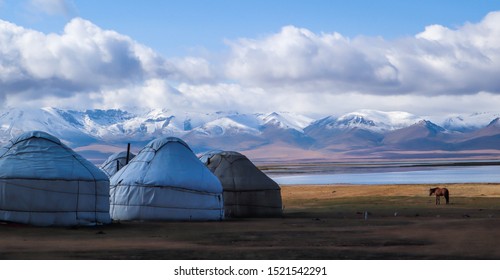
(440, 192)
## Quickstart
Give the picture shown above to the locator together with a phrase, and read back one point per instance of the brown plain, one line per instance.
(319, 222)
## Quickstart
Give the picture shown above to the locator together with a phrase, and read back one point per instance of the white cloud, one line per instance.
(231, 96)
(299, 58)
(84, 59)
(194, 70)
(438, 61)
(225, 96)
(437, 70)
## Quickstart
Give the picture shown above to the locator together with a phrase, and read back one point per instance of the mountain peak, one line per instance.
(355, 120)
(495, 123)
(286, 120)
(430, 126)
(468, 123)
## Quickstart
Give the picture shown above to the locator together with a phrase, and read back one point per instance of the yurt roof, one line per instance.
(109, 166)
(167, 162)
(207, 155)
(117, 155)
(160, 142)
(39, 155)
(237, 172)
(28, 135)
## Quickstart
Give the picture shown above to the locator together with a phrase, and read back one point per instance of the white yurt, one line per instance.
(45, 183)
(115, 162)
(248, 192)
(165, 181)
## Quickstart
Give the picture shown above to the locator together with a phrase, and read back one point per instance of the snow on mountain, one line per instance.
(99, 123)
(424, 135)
(492, 129)
(495, 123)
(355, 132)
(190, 120)
(346, 132)
(254, 124)
(224, 126)
(466, 123)
(228, 132)
(14, 121)
(354, 120)
(151, 123)
(377, 120)
(324, 123)
(485, 138)
(286, 120)
(419, 130)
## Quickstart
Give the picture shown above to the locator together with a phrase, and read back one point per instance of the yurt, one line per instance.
(248, 192)
(116, 162)
(45, 183)
(165, 181)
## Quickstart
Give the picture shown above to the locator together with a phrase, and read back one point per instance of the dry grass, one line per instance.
(328, 192)
(320, 222)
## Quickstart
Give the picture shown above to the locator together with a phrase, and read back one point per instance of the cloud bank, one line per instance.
(438, 61)
(83, 60)
(295, 69)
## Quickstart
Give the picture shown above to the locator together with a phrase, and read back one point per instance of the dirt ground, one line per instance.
(319, 222)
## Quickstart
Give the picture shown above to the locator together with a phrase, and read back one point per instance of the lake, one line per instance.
(433, 175)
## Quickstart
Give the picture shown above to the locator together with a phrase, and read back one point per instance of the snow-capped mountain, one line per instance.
(225, 126)
(363, 133)
(470, 122)
(286, 120)
(373, 120)
(423, 135)
(60, 123)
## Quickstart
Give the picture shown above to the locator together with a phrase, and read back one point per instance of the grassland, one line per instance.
(319, 222)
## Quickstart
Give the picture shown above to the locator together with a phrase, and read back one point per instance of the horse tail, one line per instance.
(447, 196)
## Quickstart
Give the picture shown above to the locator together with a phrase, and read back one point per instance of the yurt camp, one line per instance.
(116, 162)
(45, 183)
(166, 181)
(248, 192)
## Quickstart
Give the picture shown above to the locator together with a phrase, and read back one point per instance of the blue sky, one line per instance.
(312, 57)
(176, 28)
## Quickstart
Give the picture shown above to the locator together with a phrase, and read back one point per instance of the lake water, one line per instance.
(435, 175)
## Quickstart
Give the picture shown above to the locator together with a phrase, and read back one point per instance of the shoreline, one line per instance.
(310, 168)
(421, 175)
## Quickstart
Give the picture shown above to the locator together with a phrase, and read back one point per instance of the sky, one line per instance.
(315, 57)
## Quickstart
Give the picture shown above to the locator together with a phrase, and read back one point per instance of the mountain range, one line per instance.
(276, 136)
